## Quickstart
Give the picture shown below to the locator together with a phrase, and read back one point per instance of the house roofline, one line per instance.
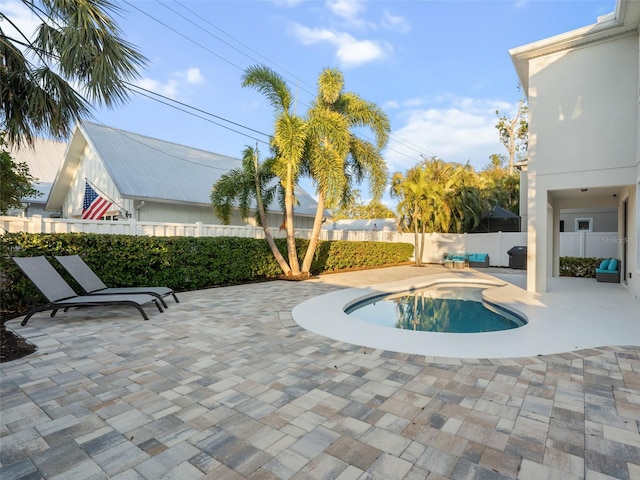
(66, 171)
(623, 20)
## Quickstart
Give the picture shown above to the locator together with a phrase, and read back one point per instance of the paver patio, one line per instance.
(225, 385)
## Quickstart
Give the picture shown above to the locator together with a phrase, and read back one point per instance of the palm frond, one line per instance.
(270, 84)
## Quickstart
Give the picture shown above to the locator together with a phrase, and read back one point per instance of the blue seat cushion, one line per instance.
(605, 264)
(604, 270)
(613, 265)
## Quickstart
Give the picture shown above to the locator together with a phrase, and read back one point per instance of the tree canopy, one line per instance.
(440, 197)
(514, 134)
(358, 209)
(15, 181)
(76, 58)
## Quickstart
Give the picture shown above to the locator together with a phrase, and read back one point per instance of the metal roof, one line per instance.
(43, 158)
(148, 168)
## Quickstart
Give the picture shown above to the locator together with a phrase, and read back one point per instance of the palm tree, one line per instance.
(410, 189)
(335, 157)
(468, 201)
(77, 43)
(240, 187)
(322, 146)
(440, 197)
(289, 140)
(499, 187)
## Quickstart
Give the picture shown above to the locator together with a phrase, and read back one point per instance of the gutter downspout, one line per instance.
(138, 210)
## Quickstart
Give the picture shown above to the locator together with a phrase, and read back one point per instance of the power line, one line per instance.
(198, 110)
(201, 117)
(233, 38)
(398, 139)
(177, 32)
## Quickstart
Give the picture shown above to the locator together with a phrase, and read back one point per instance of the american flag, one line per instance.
(94, 206)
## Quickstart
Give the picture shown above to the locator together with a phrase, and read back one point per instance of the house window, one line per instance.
(584, 224)
(562, 225)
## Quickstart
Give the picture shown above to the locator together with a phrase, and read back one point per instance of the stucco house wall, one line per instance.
(601, 219)
(582, 88)
(581, 115)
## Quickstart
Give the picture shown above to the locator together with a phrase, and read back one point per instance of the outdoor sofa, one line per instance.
(478, 260)
(460, 260)
(608, 271)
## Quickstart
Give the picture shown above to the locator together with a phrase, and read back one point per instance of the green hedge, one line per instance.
(579, 266)
(181, 263)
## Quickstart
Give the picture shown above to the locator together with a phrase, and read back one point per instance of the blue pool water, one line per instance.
(450, 308)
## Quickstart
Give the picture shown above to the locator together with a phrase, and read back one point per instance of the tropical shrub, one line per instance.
(579, 266)
(181, 263)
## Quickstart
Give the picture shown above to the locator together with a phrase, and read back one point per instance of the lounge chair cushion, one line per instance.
(613, 265)
(605, 264)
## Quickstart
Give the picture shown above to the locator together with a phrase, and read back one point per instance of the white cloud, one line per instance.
(168, 89)
(194, 76)
(453, 129)
(350, 51)
(21, 17)
(177, 86)
(347, 9)
(288, 3)
(395, 22)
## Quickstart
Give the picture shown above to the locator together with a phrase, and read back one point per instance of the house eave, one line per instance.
(623, 21)
(66, 172)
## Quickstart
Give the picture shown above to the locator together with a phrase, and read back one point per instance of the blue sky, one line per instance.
(439, 69)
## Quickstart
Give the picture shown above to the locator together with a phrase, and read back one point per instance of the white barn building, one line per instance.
(149, 179)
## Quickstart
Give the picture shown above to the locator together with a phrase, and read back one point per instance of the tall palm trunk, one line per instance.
(291, 239)
(263, 220)
(416, 238)
(424, 229)
(416, 235)
(315, 235)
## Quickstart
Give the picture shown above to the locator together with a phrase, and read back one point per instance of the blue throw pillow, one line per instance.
(605, 264)
(613, 265)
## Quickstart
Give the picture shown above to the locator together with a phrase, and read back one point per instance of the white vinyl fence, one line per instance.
(573, 244)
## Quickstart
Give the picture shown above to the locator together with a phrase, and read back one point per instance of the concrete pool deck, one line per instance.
(226, 386)
(556, 322)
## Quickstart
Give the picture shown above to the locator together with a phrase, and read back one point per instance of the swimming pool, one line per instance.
(442, 308)
(565, 319)
(326, 315)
